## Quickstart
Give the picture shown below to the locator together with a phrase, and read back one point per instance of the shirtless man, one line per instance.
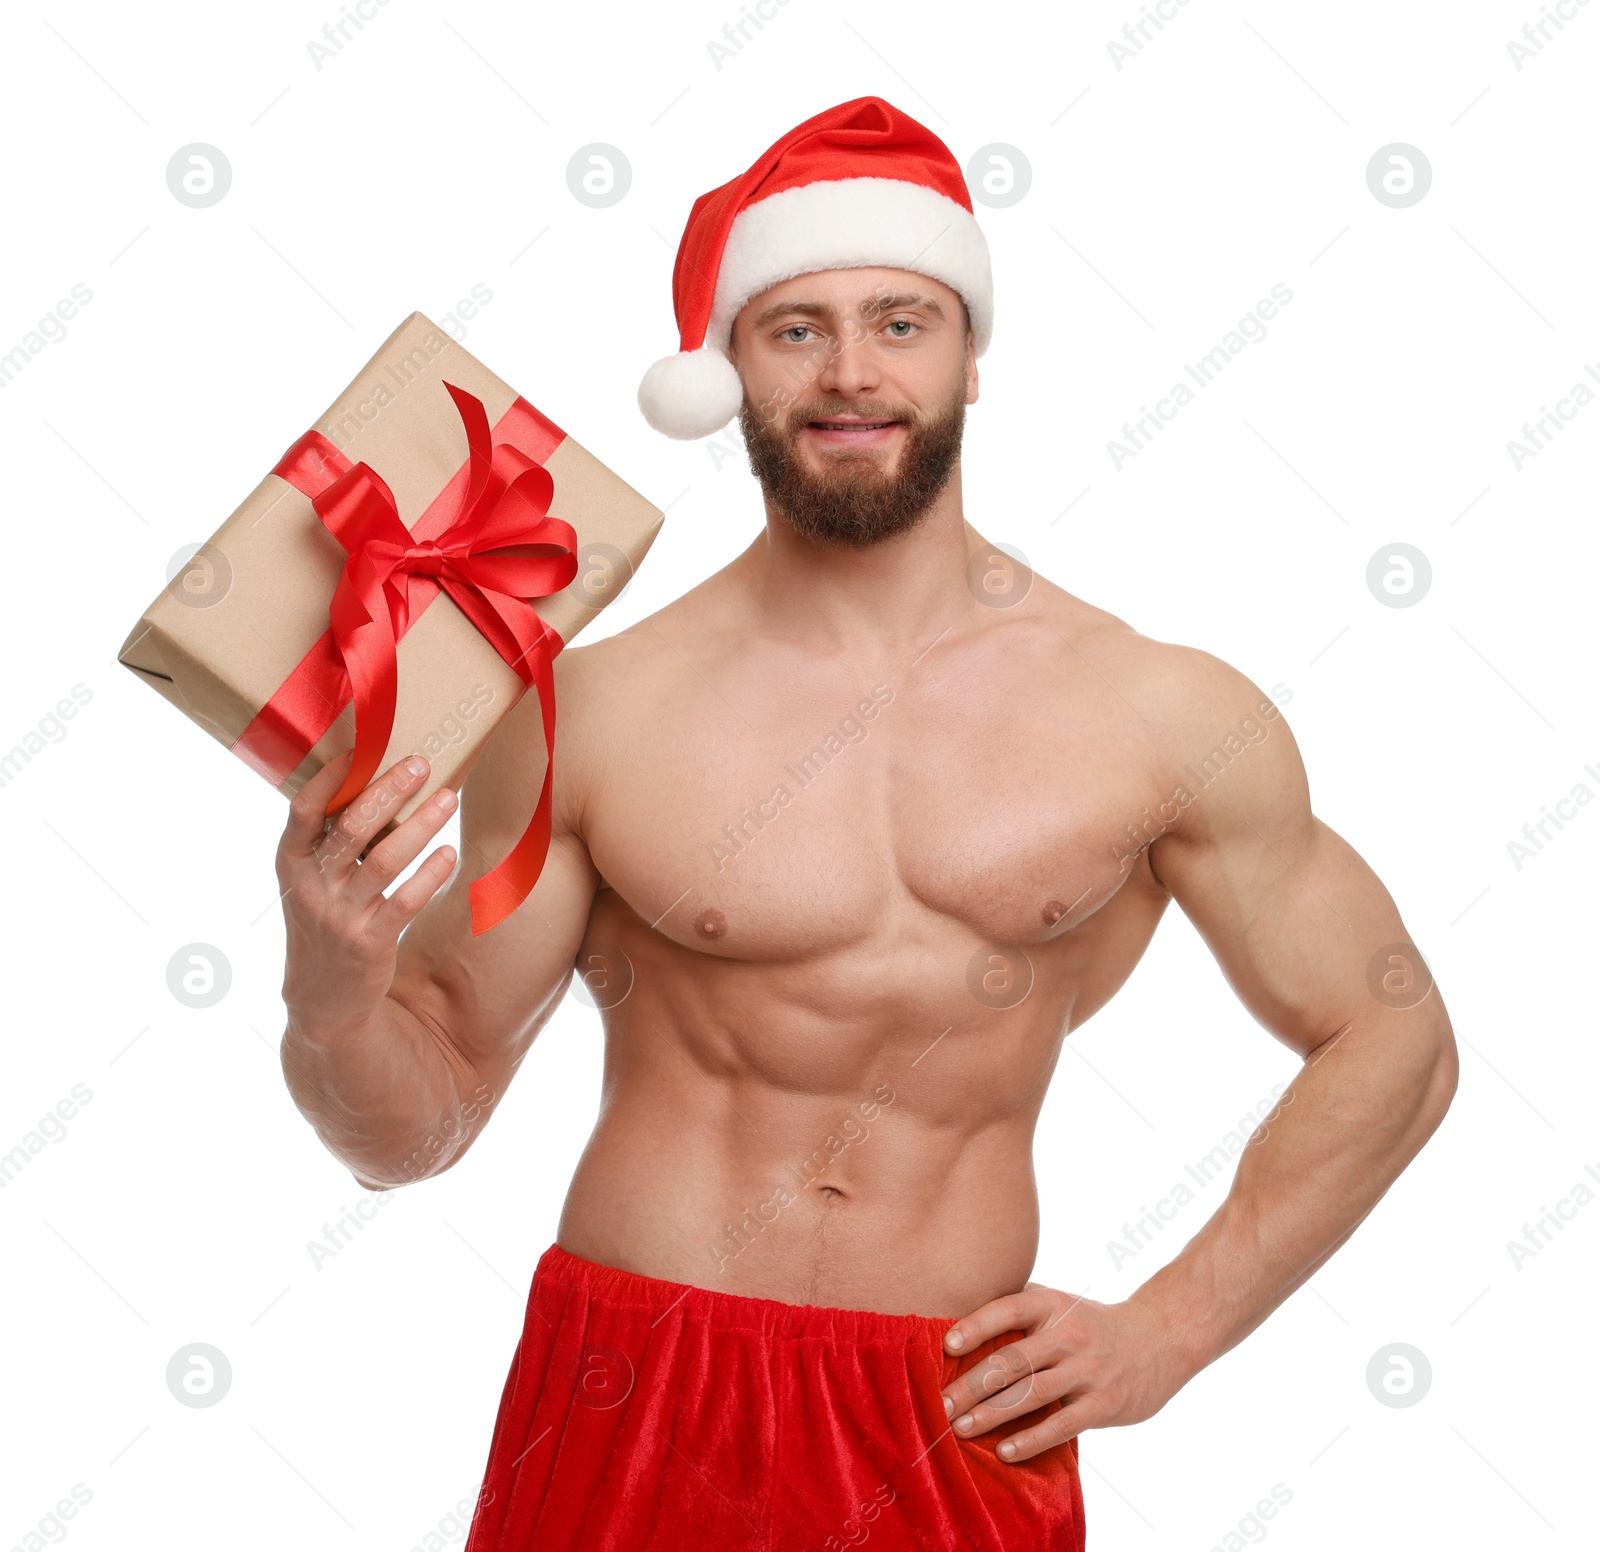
(832, 826)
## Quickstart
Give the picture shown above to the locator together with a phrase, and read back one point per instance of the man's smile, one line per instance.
(851, 431)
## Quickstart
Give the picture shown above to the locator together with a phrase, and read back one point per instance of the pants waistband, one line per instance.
(736, 1311)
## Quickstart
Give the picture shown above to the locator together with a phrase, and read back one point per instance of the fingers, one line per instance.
(1025, 1443)
(1009, 1382)
(397, 850)
(339, 851)
(1012, 1312)
(327, 869)
(305, 826)
(418, 890)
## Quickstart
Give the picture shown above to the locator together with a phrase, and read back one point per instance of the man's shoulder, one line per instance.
(1213, 733)
(1167, 683)
(1193, 708)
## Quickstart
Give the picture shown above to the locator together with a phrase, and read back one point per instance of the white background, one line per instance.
(1166, 198)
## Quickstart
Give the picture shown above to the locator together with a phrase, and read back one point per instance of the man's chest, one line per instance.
(837, 823)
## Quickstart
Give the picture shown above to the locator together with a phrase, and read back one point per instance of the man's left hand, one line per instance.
(1111, 1363)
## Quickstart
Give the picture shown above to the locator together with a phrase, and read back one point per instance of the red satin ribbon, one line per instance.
(487, 540)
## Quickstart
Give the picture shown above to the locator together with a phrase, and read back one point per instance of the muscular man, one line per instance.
(846, 845)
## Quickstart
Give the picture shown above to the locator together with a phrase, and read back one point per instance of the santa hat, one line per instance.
(859, 185)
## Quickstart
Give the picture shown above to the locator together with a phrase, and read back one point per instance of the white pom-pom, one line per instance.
(691, 394)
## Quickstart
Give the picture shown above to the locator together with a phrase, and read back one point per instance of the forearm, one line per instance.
(383, 1095)
(1356, 1114)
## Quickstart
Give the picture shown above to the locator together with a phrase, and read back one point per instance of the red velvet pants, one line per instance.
(642, 1414)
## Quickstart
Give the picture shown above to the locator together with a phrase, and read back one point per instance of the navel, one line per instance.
(711, 923)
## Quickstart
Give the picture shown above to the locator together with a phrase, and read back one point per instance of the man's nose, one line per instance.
(850, 369)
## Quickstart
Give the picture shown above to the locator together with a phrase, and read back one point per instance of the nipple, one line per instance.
(711, 923)
(1053, 911)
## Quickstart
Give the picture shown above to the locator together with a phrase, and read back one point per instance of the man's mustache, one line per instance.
(808, 413)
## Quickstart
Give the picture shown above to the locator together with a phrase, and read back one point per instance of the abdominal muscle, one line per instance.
(901, 1193)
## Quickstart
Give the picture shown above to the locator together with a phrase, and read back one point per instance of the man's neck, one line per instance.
(883, 601)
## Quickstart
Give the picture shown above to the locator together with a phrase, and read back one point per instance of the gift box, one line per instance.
(405, 572)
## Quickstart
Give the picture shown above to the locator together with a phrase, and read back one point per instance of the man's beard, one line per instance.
(854, 501)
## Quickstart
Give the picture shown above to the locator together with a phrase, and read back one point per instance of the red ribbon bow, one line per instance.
(498, 550)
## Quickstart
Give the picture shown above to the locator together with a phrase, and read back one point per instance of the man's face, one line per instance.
(856, 385)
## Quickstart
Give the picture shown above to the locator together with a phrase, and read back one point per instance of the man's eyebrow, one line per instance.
(873, 304)
(902, 299)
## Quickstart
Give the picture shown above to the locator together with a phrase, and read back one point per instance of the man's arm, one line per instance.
(399, 1079)
(1311, 942)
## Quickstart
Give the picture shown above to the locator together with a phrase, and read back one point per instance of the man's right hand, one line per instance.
(342, 929)
(398, 1048)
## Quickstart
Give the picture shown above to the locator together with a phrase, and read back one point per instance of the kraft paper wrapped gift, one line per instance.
(410, 566)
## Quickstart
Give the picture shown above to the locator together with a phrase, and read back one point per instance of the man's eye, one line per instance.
(802, 327)
(896, 323)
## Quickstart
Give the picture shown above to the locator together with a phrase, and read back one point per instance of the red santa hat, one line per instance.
(862, 184)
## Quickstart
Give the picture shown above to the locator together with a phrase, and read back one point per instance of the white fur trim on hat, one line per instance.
(852, 223)
(691, 394)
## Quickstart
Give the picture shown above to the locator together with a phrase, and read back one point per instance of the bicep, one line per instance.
(1293, 915)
